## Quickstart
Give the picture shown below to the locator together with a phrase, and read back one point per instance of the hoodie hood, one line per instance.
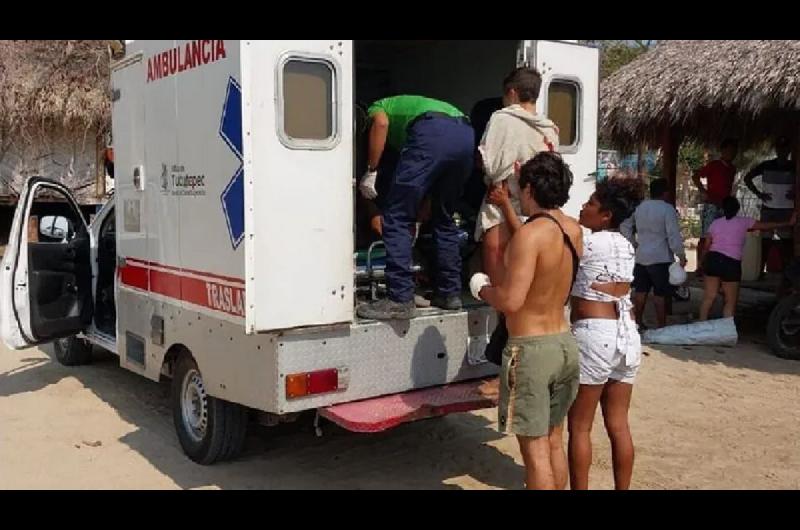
(537, 121)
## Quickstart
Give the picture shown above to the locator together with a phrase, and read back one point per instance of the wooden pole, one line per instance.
(639, 161)
(100, 168)
(796, 158)
(670, 145)
(33, 229)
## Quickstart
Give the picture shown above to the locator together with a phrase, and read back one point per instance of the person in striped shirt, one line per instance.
(777, 198)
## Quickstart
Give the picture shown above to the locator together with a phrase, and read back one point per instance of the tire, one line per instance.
(783, 329)
(72, 351)
(209, 429)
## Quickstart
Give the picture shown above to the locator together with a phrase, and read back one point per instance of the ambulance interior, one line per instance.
(465, 73)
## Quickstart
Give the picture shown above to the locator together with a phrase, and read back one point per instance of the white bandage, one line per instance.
(479, 281)
(367, 186)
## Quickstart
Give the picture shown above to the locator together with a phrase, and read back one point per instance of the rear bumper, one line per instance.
(382, 413)
(387, 358)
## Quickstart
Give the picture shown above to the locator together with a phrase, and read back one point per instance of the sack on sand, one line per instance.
(720, 332)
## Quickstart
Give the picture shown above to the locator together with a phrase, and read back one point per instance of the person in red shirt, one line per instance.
(719, 176)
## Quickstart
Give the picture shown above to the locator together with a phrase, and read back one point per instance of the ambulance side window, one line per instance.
(563, 107)
(308, 103)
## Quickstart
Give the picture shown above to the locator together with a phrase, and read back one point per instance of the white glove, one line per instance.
(367, 186)
(479, 281)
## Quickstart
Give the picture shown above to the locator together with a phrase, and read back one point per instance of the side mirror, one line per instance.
(56, 227)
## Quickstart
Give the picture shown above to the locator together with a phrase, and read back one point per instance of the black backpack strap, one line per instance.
(567, 241)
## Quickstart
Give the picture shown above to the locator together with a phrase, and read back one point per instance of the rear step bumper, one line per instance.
(382, 413)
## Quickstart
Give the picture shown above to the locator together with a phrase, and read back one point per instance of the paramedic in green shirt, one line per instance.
(436, 145)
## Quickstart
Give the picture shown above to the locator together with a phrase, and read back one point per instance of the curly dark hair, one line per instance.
(620, 196)
(550, 179)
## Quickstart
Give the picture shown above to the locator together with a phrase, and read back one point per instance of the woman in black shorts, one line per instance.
(723, 262)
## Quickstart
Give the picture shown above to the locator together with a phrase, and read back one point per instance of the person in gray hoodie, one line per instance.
(515, 134)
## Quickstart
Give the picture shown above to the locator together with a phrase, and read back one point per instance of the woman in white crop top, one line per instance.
(603, 325)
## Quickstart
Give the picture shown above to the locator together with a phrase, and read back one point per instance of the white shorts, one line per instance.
(609, 350)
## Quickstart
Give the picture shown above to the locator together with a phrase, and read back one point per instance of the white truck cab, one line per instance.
(226, 259)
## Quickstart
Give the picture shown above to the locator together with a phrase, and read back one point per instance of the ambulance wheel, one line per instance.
(209, 429)
(783, 328)
(72, 351)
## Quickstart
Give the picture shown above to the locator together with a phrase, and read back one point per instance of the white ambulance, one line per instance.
(226, 261)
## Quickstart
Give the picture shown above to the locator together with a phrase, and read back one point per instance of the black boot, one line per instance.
(450, 303)
(386, 310)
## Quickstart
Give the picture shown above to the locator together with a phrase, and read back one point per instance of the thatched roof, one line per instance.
(747, 89)
(54, 82)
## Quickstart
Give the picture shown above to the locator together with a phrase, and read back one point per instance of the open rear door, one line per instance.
(46, 275)
(569, 97)
(297, 120)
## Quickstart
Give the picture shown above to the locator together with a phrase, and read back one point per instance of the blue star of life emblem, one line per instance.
(230, 129)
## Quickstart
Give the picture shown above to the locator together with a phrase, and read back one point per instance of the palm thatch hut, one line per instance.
(55, 114)
(705, 90)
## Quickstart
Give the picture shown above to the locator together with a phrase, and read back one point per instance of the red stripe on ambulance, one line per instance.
(134, 277)
(197, 291)
(229, 279)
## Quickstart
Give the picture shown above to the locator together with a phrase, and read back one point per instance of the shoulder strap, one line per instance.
(567, 242)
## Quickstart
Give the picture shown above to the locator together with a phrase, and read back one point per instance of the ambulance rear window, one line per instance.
(308, 97)
(563, 107)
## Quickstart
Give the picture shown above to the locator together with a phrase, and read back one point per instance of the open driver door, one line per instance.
(46, 273)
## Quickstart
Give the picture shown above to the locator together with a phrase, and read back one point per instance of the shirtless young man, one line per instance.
(539, 374)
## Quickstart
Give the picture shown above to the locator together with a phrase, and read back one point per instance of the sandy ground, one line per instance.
(701, 418)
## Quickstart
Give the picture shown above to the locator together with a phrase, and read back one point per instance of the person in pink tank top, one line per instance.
(723, 251)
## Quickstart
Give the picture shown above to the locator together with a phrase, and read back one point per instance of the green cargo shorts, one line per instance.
(538, 383)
